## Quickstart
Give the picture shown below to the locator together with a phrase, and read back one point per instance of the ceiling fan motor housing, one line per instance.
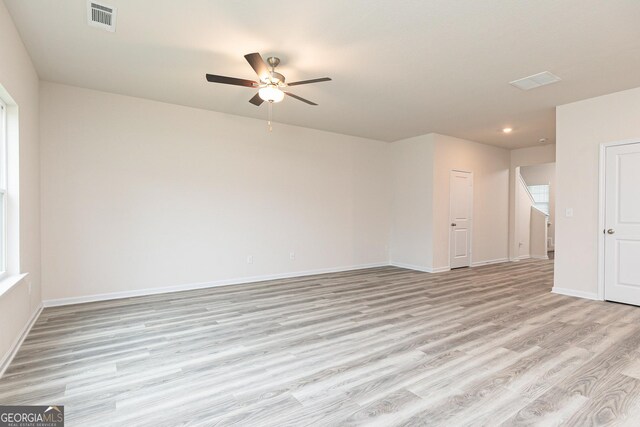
(277, 78)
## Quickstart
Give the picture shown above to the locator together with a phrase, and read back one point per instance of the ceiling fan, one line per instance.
(270, 83)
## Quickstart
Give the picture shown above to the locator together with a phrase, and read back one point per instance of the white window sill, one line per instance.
(7, 283)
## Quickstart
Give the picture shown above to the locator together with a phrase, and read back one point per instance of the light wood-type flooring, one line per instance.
(384, 346)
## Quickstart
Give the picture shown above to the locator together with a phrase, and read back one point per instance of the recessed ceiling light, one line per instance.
(507, 130)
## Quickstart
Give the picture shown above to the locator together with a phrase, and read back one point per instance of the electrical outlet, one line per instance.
(292, 256)
(250, 259)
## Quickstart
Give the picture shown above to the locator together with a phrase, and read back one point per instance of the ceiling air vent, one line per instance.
(537, 80)
(101, 16)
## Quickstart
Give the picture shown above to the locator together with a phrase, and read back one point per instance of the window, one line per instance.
(540, 194)
(3, 189)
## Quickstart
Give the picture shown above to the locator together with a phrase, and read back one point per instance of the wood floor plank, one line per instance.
(616, 402)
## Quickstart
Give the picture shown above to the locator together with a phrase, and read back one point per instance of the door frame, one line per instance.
(470, 222)
(602, 208)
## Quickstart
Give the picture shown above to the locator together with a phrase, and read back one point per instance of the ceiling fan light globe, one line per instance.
(271, 93)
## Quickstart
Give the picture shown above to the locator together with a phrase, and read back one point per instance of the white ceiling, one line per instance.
(400, 68)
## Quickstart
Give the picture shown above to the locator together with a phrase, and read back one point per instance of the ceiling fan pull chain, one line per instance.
(270, 115)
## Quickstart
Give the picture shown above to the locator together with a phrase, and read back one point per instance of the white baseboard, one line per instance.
(193, 286)
(489, 262)
(574, 293)
(447, 268)
(13, 349)
(411, 267)
(419, 268)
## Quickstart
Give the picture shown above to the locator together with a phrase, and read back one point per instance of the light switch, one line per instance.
(568, 212)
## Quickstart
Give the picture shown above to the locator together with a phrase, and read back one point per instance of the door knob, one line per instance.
(611, 231)
(453, 224)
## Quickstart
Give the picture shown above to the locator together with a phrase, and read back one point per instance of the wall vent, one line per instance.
(101, 15)
(536, 80)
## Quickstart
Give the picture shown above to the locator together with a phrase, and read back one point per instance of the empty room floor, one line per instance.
(384, 346)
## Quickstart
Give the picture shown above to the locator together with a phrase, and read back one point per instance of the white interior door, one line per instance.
(622, 224)
(461, 207)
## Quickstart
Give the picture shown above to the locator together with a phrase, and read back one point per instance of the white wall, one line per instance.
(19, 79)
(523, 157)
(421, 226)
(490, 167)
(411, 242)
(138, 194)
(539, 229)
(544, 174)
(581, 128)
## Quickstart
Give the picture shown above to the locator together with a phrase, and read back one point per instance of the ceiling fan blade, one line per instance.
(300, 98)
(304, 82)
(231, 81)
(259, 66)
(256, 100)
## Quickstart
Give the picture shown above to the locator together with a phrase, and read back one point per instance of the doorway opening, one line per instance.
(535, 211)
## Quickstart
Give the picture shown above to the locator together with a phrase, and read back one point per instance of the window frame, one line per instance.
(543, 206)
(4, 176)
